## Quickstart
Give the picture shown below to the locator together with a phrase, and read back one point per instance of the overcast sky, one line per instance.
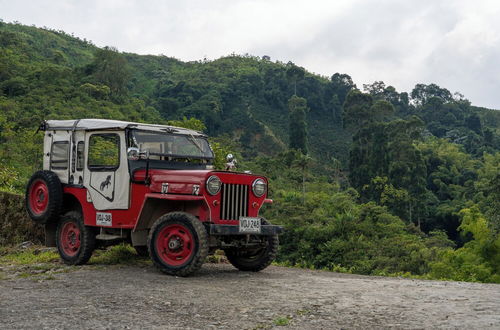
(455, 43)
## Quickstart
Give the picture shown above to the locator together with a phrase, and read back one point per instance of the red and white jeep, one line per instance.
(104, 182)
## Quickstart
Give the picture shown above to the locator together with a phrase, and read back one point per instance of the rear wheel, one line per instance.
(75, 241)
(254, 260)
(44, 197)
(178, 244)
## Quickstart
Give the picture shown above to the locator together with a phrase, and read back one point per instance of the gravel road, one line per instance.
(219, 297)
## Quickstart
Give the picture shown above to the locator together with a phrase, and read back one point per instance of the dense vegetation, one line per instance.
(370, 180)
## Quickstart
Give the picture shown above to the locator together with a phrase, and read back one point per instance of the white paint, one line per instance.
(115, 193)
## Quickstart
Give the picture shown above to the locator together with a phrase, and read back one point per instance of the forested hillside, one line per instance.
(366, 179)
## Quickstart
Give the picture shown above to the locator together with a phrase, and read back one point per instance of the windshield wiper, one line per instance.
(192, 139)
(161, 154)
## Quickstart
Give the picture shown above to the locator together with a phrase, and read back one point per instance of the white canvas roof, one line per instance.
(101, 124)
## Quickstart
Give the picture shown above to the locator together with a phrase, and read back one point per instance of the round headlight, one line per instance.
(213, 185)
(259, 187)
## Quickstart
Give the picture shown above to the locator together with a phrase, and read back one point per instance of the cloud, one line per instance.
(452, 43)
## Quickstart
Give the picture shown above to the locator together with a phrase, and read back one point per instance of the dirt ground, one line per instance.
(220, 297)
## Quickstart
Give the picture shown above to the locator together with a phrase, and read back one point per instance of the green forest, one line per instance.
(365, 179)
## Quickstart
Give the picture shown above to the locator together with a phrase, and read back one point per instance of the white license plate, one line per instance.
(249, 225)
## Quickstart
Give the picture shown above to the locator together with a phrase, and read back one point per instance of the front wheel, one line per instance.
(254, 260)
(75, 241)
(178, 244)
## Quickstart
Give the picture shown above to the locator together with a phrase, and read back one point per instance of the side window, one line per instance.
(59, 155)
(79, 155)
(104, 152)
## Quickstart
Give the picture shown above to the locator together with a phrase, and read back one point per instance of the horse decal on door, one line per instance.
(106, 183)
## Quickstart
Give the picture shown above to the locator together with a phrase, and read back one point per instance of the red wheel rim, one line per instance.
(175, 244)
(70, 239)
(39, 197)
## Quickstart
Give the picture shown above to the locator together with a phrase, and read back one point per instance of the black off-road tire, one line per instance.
(254, 260)
(180, 225)
(142, 250)
(86, 238)
(44, 185)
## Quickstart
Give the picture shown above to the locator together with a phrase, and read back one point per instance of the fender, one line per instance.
(155, 205)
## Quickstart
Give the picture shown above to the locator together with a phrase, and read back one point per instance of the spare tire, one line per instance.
(44, 197)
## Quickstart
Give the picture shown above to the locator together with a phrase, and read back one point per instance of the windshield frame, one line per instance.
(190, 137)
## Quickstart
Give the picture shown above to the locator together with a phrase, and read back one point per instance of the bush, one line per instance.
(8, 178)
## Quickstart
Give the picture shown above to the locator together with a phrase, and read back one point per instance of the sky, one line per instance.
(454, 43)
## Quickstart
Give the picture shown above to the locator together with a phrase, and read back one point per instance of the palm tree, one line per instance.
(302, 162)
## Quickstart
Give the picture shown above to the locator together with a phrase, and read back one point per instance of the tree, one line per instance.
(342, 84)
(474, 123)
(377, 89)
(110, 68)
(356, 109)
(14, 86)
(298, 128)
(360, 109)
(294, 74)
(191, 123)
(336, 108)
(487, 186)
(422, 93)
(381, 110)
(98, 92)
(478, 259)
(387, 150)
(302, 162)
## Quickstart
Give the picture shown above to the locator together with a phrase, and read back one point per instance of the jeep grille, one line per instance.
(234, 201)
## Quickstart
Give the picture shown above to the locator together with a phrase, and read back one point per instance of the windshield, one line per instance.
(170, 146)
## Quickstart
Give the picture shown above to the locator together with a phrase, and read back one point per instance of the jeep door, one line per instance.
(107, 178)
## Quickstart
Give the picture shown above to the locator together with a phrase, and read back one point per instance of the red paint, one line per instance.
(70, 239)
(121, 218)
(39, 197)
(180, 184)
(175, 244)
(179, 181)
(233, 178)
(201, 212)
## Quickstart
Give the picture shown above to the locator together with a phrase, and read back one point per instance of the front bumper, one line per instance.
(265, 230)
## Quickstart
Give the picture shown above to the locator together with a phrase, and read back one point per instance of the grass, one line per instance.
(281, 321)
(41, 263)
(345, 270)
(122, 254)
(118, 254)
(38, 261)
(35, 261)
(28, 256)
(217, 258)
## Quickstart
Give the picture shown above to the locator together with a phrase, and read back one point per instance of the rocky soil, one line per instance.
(220, 297)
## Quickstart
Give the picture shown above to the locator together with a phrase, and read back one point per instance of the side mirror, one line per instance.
(231, 162)
(144, 154)
(133, 153)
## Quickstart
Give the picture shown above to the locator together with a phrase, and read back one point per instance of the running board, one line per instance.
(108, 237)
